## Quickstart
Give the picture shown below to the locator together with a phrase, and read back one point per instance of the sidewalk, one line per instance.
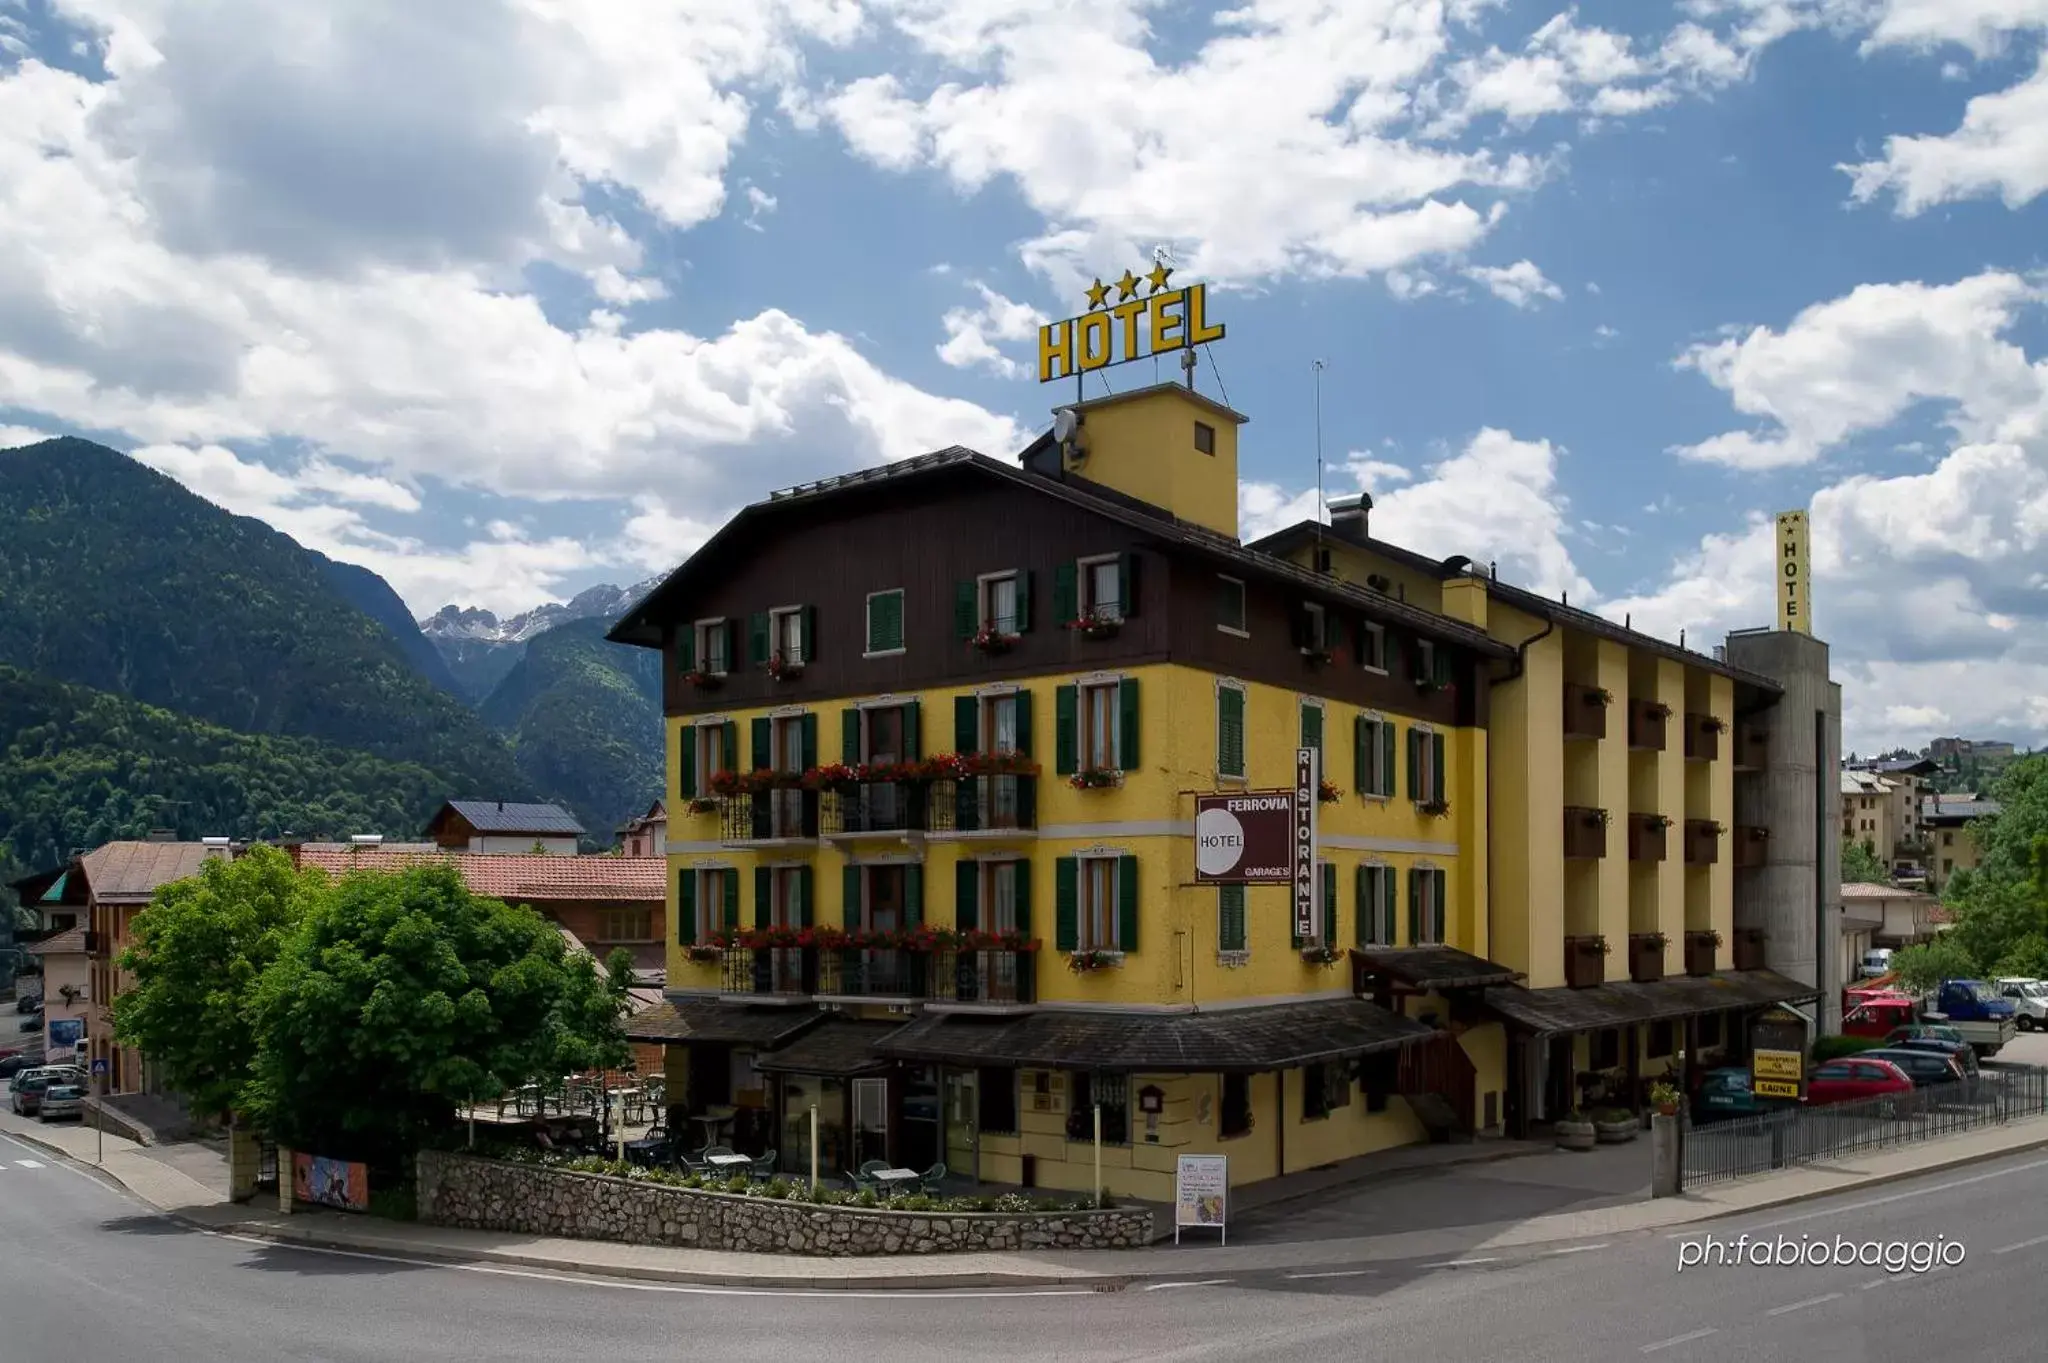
(145, 1172)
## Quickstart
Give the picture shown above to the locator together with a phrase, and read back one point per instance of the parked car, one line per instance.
(1875, 963)
(61, 1100)
(1853, 1078)
(1934, 1030)
(1965, 1055)
(28, 1003)
(1725, 1094)
(1927, 1069)
(2029, 1002)
(25, 1094)
(12, 1065)
(33, 1022)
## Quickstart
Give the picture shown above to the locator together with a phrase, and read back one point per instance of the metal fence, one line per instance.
(1722, 1151)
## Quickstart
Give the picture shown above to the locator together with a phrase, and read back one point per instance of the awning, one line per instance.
(1433, 968)
(721, 1023)
(1282, 1036)
(1564, 1009)
(839, 1048)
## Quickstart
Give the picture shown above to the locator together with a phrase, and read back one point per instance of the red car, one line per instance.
(1855, 1077)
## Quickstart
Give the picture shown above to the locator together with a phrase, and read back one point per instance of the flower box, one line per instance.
(989, 639)
(1700, 946)
(1083, 962)
(1317, 657)
(1328, 793)
(1096, 626)
(704, 681)
(702, 805)
(784, 669)
(703, 953)
(1095, 778)
(1646, 956)
(1323, 956)
(1585, 961)
(1585, 831)
(1433, 809)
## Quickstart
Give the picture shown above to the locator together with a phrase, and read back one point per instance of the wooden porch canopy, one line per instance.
(1544, 1012)
(707, 1020)
(1425, 970)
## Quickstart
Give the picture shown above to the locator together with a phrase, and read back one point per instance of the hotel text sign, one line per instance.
(1308, 784)
(1245, 839)
(1146, 318)
(1795, 586)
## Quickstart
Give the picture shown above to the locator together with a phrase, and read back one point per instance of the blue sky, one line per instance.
(502, 300)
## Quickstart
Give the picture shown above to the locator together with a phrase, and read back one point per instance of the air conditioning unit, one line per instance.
(1379, 582)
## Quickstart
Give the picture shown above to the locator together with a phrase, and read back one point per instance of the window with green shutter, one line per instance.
(1230, 924)
(1230, 760)
(686, 761)
(1373, 755)
(1230, 615)
(1439, 785)
(1066, 903)
(732, 899)
(686, 908)
(885, 622)
(1329, 937)
(966, 895)
(1375, 906)
(1312, 728)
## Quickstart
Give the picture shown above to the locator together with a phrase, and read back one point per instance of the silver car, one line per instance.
(62, 1100)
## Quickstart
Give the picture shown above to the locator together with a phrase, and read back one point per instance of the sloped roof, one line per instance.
(511, 875)
(503, 816)
(133, 871)
(1958, 811)
(70, 941)
(1865, 889)
(1619, 1002)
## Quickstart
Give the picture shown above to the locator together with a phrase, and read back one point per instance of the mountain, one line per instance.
(480, 649)
(115, 577)
(373, 596)
(79, 767)
(584, 720)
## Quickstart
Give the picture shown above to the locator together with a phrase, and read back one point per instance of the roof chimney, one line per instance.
(163, 835)
(365, 839)
(1348, 516)
(501, 806)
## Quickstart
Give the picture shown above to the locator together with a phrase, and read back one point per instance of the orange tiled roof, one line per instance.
(136, 870)
(512, 875)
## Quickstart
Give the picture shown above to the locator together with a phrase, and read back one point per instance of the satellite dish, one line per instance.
(1064, 424)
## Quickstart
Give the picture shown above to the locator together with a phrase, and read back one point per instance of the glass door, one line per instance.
(998, 794)
(963, 1136)
(870, 1120)
(789, 757)
(885, 745)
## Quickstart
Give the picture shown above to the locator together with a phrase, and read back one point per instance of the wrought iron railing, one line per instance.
(1745, 1146)
(787, 972)
(995, 977)
(885, 807)
(990, 804)
(874, 973)
(769, 815)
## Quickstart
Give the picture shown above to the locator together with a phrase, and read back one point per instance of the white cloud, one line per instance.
(1521, 284)
(972, 333)
(760, 203)
(654, 540)
(2001, 147)
(12, 436)
(1980, 25)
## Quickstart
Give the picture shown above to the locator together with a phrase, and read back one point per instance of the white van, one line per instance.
(2029, 1003)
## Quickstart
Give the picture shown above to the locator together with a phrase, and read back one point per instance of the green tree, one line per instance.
(402, 996)
(198, 952)
(1860, 866)
(1922, 967)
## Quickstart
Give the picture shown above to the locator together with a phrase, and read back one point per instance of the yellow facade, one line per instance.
(1144, 444)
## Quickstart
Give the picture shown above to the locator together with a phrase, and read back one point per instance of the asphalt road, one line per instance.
(93, 1275)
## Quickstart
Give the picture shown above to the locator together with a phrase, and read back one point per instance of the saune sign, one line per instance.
(1245, 839)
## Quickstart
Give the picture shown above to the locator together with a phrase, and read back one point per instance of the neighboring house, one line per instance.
(1861, 920)
(1868, 813)
(1958, 749)
(646, 836)
(499, 826)
(1947, 819)
(1899, 917)
(67, 991)
(1906, 782)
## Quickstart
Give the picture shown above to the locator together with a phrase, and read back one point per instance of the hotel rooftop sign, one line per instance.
(1146, 318)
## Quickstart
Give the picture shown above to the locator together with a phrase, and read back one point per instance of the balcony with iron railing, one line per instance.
(884, 809)
(996, 805)
(788, 815)
(993, 978)
(861, 974)
(770, 973)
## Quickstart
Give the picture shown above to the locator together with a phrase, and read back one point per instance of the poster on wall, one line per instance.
(1201, 1194)
(1245, 838)
(65, 1034)
(333, 1183)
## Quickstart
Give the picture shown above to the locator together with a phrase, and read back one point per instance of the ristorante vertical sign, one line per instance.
(1308, 784)
(1145, 318)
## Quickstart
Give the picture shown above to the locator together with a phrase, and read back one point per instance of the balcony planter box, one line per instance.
(1703, 737)
(1585, 831)
(1751, 744)
(1700, 947)
(1585, 962)
(1575, 1133)
(1585, 711)
(1646, 724)
(1646, 957)
(704, 681)
(1646, 836)
(1702, 842)
(1751, 845)
(1749, 948)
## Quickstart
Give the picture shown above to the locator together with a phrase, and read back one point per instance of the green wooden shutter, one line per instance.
(1229, 731)
(1330, 915)
(1066, 903)
(1333, 630)
(966, 895)
(1230, 918)
(966, 608)
(686, 648)
(1022, 871)
(732, 900)
(1127, 725)
(1126, 903)
(1127, 584)
(1439, 783)
(805, 896)
(810, 740)
(1066, 592)
(1023, 721)
(1443, 908)
(1023, 624)
(1312, 727)
(913, 730)
(1390, 644)
(764, 749)
(966, 724)
(686, 907)
(1414, 906)
(849, 735)
(764, 895)
(757, 638)
(1415, 737)
(732, 644)
(1443, 665)
(807, 633)
(1361, 754)
(849, 902)
(1363, 907)
(686, 761)
(913, 895)
(1066, 706)
(1387, 763)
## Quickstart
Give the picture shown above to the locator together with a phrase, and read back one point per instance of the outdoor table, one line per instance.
(892, 1177)
(711, 1120)
(730, 1161)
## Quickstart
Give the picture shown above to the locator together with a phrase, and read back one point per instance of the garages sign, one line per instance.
(1245, 839)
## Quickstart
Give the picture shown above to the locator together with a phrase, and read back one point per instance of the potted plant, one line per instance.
(1656, 939)
(1095, 626)
(1328, 793)
(784, 668)
(703, 680)
(1575, 1132)
(1664, 1097)
(1657, 709)
(1598, 818)
(1435, 809)
(1660, 822)
(1598, 695)
(1714, 724)
(1324, 956)
(1094, 778)
(1316, 657)
(702, 953)
(990, 639)
(1082, 962)
(702, 804)
(1429, 685)
(1614, 1125)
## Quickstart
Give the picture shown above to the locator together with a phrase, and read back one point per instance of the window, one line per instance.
(1324, 1088)
(1425, 660)
(1379, 1075)
(1098, 920)
(1000, 602)
(1660, 1039)
(1100, 750)
(1948, 840)
(626, 925)
(1315, 632)
(788, 906)
(711, 648)
(1376, 906)
(1205, 438)
(1102, 589)
(1113, 1093)
(1425, 766)
(1230, 924)
(1372, 646)
(1234, 1113)
(1426, 895)
(1606, 1048)
(1312, 731)
(1373, 755)
(996, 1092)
(885, 622)
(1230, 731)
(1710, 1030)
(707, 902)
(1230, 605)
(713, 745)
(786, 634)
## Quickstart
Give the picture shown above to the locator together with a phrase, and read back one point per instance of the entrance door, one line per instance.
(884, 967)
(870, 1120)
(963, 1136)
(919, 1138)
(998, 794)
(1560, 1082)
(789, 757)
(998, 969)
(885, 745)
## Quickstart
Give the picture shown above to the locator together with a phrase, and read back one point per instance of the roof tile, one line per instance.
(512, 875)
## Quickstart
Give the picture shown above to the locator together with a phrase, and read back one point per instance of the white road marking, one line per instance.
(1802, 1305)
(1875, 1283)
(1870, 1202)
(29, 1163)
(1575, 1249)
(1206, 1282)
(1679, 1339)
(1465, 1263)
(1336, 1273)
(2024, 1244)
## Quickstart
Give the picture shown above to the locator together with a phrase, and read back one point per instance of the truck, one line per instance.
(1974, 1009)
(2029, 1002)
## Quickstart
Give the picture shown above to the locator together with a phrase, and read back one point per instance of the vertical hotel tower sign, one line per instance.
(1795, 585)
(1146, 318)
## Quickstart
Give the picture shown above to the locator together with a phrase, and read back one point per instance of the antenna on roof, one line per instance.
(1322, 507)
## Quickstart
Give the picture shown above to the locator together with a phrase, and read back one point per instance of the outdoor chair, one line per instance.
(854, 1181)
(764, 1167)
(929, 1180)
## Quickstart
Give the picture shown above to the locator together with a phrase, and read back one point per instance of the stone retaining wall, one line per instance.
(527, 1199)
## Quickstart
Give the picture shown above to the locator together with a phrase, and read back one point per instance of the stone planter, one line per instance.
(1615, 1133)
(1575, 1135)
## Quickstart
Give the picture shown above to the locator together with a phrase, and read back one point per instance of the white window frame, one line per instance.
(1085, 739)
(868, 622)
(1089, 904)
(710, 902)
(1242, 628)
(1377, 750)
(1245, 700)
(984, 600)
(1425, 660)
(1432, 783)
(1319, 632)
(776, 616)
(1389, 905)
(1373, 639)
(985, 718)
(1091, 609)
(706, 769)
(703, 631)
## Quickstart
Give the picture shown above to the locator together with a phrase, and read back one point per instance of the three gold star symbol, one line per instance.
(1159, 275)
(1127, 287)
(1097, 295)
